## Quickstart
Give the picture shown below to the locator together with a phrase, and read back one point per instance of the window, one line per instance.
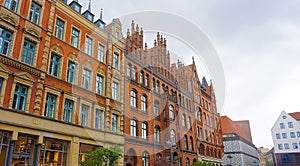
(133, 100)
(281, 125)
(54, 152)
(284, 135)
(35, 13)
(198, 116)
(189, 123)
(172, 136)
(292, 134)
(88, 45)
(114, 125)
(145, 159)
(183, 120)
(59, 29)
(12, 5)
(116, 61)
(55, 65)
(50, 106)
(156, 134)
(187, 162)
(69, 107)
(115, 91)
(156, 108)
(1, 84)
(171, 112)
(20, 96)
(185, 142)
(5, 41)
(298, 133)
(134, 73)
(277, 136)
(280, 147)
(128, 70)
(28, 52)
(286, 158)
(200, 133)
(290, 124)
(133, 127)
(75, 37)
(191, 143)
(142, 77)
(144, 130)
(71, 73)
(295, 146)
(147, 80)
(297, 156)
(99, 84)
(86, 79)
(98, 119)
(84, 117)
(286, 146)
(144, 103)
(101, 53)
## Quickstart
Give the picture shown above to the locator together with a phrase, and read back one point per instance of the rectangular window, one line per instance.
(295, 146)
(114, 123)
(284, 136)
(12, 5)
(84, 115)
(54, 152)
(282, 125)
(4, 144)
(71, 74)
(292, 134)
(20, 97)
(277, 136)
(88, 46)
(280, 147)
(75, 37)
(99, 84)
(98, 119)
(286, 158)
(35, 13)
(1, 84)
(55, 65)
(115, 91)
(60, 29)
(28, 52)
(290, 124)
(147, 80)
(286, 146)
(50, 106)
(116, 61)
(298, 133)
(86, 79)
(5, 41)
(101, 53)
(69, 107)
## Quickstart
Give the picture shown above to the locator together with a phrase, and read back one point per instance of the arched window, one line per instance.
(191, 143)
(183, 120)
(157, 134)
(134, 73)
(128, 70)
(187, 162)
(156, 108)
(189, 123)
(202, 149)
(158, 156)
(198, 115)
(172, 136)
(185, 142)
(207, 151)
(171, 112)
(144, 103)
(145, 159)
(144, 130)
(147, 80)
(142, 77)
(133, 127)
(133, 98)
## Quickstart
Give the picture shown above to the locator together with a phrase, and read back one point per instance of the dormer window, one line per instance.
(75, 6)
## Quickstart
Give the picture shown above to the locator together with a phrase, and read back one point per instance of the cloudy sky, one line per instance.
(258, 43)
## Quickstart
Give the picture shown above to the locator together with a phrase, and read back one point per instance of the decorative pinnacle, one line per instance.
(89, 8)
(101, 14)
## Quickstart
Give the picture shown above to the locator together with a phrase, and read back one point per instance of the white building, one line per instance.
(286, 138)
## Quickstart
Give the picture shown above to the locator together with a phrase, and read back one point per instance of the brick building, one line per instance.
(60, 83)
(169, 114)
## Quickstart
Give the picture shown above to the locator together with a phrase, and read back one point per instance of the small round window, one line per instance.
(284, 117)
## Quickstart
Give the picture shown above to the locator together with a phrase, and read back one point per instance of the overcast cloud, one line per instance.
(258, 42)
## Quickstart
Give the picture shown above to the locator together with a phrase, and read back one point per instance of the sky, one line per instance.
(258, 43)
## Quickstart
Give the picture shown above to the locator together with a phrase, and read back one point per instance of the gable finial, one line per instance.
(89, 8)
(101, 14)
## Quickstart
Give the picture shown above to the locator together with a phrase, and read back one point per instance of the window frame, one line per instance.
(9, 5)
(74, 37)
(60, 28)
(101, 53)
(54, 65)
(19, 94)
(29, 52)
(88, 49)
(33, 11)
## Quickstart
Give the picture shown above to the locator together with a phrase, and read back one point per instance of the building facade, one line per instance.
(61, 83)
(169, 116)
(238, 147)
(286, 138)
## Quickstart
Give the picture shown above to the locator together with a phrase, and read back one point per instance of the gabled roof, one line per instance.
(230, 127)
(295, 115)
